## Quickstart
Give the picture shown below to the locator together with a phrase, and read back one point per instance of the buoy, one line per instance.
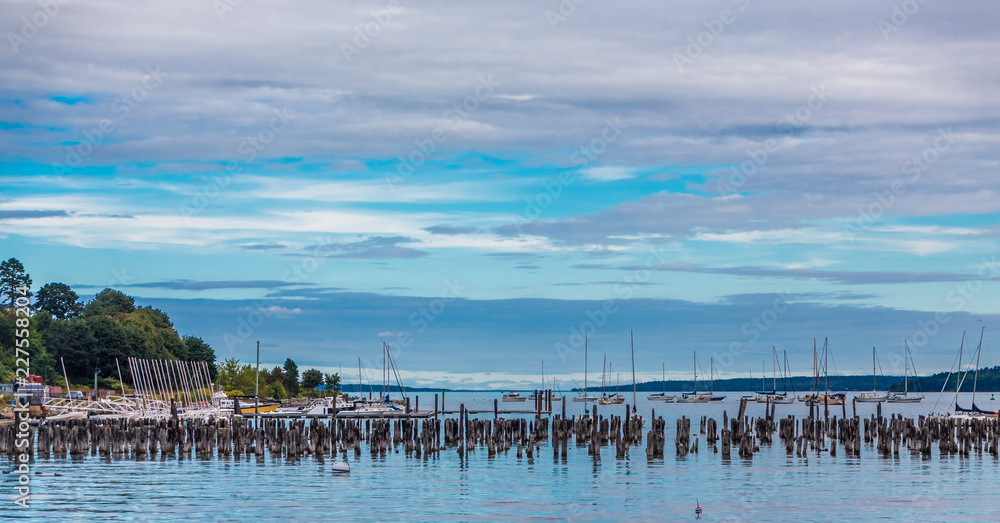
(341, 468)
(697, 508)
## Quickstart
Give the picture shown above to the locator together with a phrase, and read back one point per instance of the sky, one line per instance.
(483, 185)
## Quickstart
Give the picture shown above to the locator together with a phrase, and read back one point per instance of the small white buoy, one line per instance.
(341, 467)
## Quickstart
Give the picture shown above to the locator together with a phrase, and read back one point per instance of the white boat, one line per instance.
(609, 399)
(905, 397)
(662, 396)
(874, 396)
(513, 397)
(772, 396)
(695, 396)
(552, 395)
(583, 397)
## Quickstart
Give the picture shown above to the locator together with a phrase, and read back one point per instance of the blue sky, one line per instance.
(476, 184)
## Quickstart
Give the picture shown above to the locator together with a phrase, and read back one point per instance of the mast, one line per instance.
(584, 366)
(975, 378)
(774, 369)
(695, 360)
(959, 380)
(873, 370)
(906, 367)
(826, 364)
(631, 340)
(604, 367)
(256, 383)
(663, 378)
(787, 374)
(815, 369)
(711, 375)
(763, 387)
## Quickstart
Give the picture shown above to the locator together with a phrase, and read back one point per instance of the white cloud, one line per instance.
(606, 174)
(274, 310)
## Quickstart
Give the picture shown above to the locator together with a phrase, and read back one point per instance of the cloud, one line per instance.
(262, 246)
(374, 247)
(191, 285)
(845, 277)
(451, 229)
(274, 310)
(28, 214)
(606, 174)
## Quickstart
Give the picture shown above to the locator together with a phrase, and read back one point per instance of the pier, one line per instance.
(428, 433)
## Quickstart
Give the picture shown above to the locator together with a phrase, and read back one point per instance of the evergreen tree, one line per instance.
(311, 379)
(13, 277)
(291, 378)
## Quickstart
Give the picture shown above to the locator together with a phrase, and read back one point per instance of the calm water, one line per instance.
(770, 487)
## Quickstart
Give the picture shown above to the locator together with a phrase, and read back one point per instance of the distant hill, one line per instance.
(795, 383)
(989, 380)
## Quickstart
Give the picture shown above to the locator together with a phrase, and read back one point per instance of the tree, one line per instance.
(58, 300)
(277, 375)
(12, 277)
(291, 378)
(332, 382)
(74, 343)
(311, 379)
(198, 350)
(110, 302)
(277, 391)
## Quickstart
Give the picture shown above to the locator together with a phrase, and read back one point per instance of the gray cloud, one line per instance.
(262, 246)
(192, 285)
(28, 214)
(369, 248)
(845, 277)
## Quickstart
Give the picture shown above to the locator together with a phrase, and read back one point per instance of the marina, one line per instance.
(605, 444)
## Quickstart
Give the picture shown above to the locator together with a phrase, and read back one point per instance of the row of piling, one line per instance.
(236, 437)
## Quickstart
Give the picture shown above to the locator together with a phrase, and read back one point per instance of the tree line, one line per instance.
(98, 337)
(281, 382)
(88, 339)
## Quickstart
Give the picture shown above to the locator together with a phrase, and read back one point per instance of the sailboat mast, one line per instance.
(584, 366)
(631, 339)
(787, 374)
(711, 376)
(815, 368)
(694, 360)
(906, 367)
(826, 363)
(873, 369)
(975, 379)
(774, 369)
(604, 367)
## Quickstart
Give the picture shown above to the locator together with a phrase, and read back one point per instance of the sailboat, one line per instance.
(905, 397)
(975, 411)
(873, 396)
(610, 399)
(583, 397)
(695, 396)
(662, 396)
(806, 398)
(532, 397)
(828, 398)
(772, 396)
(711, 378)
